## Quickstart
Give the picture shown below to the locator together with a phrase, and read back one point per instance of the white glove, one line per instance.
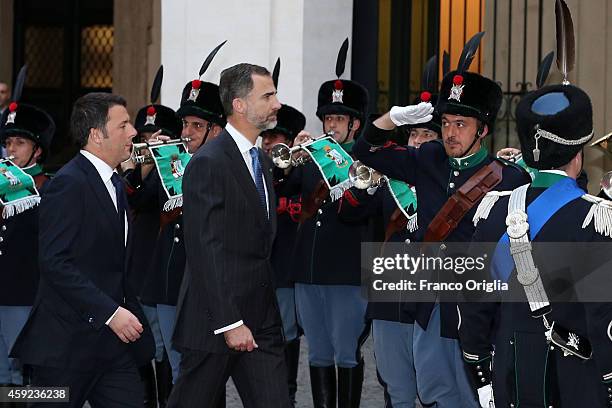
(411, 114)
(485, 396)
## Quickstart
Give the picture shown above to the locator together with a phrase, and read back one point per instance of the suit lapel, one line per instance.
(98, 187)
(241, 172)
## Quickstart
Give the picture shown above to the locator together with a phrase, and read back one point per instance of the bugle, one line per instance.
(141, 153)
(362, 176)
(282, 155)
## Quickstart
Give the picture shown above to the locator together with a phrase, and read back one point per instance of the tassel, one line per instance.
(486, 204)
(600, 213)
(338, 190)
(412, 223)
(19, 206)
(173, 203)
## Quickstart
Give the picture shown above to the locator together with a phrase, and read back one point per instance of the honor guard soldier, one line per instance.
(202, 119)
(548, 351)
(289, 123)
(440, 171)
(393, 322)
(26, 132)
(326, 267)
(150, 119)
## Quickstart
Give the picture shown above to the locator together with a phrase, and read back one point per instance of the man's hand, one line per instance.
(240, 339)
(485, 396)
(125, 325)
(302, 137)
(508, 153)
(411, 114)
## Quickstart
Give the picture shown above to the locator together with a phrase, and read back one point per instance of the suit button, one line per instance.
(91, 320)
(177, 239)
(318, 223)
(177, 226)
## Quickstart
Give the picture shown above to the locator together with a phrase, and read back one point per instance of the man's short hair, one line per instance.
(237, 82)
(90, 111)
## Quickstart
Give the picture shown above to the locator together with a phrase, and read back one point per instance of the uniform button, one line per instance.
(1, 239)
(451, 185)
(181, 213)
(318, 223)
(480, 373)
(91, 320)
(478, 367)
(455, 173)
(0, 253)
(511, 405)
(177, 239)
(442, 247)
(552, 347)
(177, 226)
(4, 228)
(407, 240)
(320, 211)
(264, 285)
(482, 380)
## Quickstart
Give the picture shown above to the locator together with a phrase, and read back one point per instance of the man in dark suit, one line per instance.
(228, 322)
(86, 330)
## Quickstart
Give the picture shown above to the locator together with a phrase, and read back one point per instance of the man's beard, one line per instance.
(261, 123)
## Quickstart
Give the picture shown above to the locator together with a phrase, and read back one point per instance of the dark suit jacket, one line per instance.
(83, 277)
(228, 241)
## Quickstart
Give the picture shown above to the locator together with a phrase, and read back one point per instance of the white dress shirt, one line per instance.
(106, 172)
(245, 146)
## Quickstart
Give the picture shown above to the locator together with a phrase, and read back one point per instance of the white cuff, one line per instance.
(111, 318)
(230, 327)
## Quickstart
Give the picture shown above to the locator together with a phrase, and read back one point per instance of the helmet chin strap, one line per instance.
(350, 128)
(32, 155)
(209, 127)
(476, 138)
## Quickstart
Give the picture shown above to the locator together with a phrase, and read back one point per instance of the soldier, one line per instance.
(468, 105)
(290, 122)
(327, 273)
(26, 133)
(202, 119)
(547, 353)
(150, 119)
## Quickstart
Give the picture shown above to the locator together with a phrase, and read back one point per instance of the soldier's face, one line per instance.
(194, 129)
(271, 139)
(339, 124)
(5, 94)
(458, 133)
(261, 103)
(21, 149)
(418, 136)
(116, 143)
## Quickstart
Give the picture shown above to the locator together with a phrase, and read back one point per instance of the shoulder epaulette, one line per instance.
(486, 204)
(513, 165)
(600, 215)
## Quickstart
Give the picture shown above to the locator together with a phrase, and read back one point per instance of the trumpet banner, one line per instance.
(406, 199)
(333, 163)
(18, 192)
(170, 162)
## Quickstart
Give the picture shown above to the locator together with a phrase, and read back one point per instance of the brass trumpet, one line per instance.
(604, 143)
(11, 158)
(141, 153)
(362, 176)
(282, 155)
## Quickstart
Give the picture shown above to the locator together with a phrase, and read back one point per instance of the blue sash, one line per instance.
(538, 213)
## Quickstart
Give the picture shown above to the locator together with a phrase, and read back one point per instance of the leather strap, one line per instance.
(397, 223)
(460, 203)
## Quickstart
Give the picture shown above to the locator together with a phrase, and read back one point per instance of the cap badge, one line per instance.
(457, 88)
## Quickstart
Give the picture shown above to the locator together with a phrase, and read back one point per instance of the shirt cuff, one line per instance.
(230, 327)
(111, 318)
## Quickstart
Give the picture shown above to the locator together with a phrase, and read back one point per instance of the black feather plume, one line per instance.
(19, 83)
(544, 69)
(566, 48)
(341, 61)
(210, 57)
(445, 63)
(430, 75)
(469, 52)
(157, 83)
(276, 73)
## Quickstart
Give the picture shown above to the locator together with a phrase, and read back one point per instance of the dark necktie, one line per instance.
(121, 201)
(258, 175)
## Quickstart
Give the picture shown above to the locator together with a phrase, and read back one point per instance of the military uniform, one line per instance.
(19, 238)
(145, 211)
(554, 123)
(437, 177)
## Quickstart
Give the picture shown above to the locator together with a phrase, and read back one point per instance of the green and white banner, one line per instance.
(18, 192)
(406, 199)
(170, 162)
(333, 163)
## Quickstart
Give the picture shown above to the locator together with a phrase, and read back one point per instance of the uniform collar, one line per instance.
(546, 178)
(468, 161)
(33, 170)
(348, 146)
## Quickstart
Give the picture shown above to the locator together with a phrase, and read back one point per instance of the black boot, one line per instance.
(350, 381)
(147, 375)
(292, 357)
(163, 374)
(323, 383)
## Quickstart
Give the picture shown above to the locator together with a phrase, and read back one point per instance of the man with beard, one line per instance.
(228, 322)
